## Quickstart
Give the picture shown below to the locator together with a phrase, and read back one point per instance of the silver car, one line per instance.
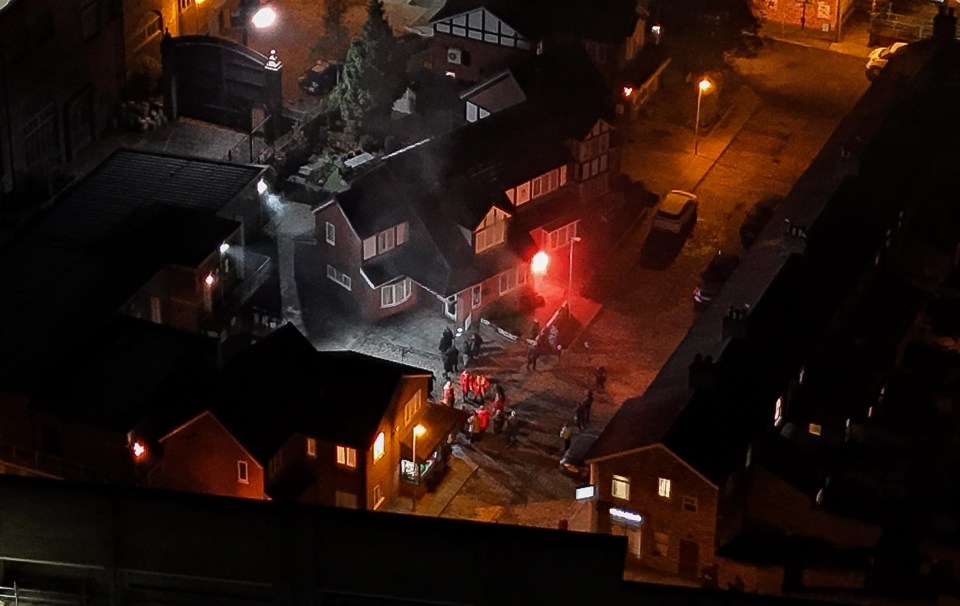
(676, 212)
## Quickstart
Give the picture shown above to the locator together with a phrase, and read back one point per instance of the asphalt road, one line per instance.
(804, 93)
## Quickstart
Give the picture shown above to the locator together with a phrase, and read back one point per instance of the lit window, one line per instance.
(311, 447)
(378, 446)
(689, 504)
(663, 488)
(347, 456)
(778, 412)
(620, 489)
(243, 472)
(475, 296)
(814, 429)
(331, 233)
(378, 494)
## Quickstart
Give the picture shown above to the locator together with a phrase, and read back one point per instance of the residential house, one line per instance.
(473, 39)
(60, 78)
(202, 456)
(458, 218)
(334, 428)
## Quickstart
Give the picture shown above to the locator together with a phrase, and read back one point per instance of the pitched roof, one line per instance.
(282, 386)
(598, 20)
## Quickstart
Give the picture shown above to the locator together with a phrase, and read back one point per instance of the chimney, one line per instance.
(945, 24)
(735, 322)
(701, 371)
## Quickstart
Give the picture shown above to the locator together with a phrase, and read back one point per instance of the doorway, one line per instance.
(689, 559)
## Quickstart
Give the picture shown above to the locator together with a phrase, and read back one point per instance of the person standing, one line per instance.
(600, 375)
(566, 432)
(587, 405)
(535, 330)
(446, 340)
(466, 381)
(532, 354)
(476, 342)
(579, 417)
(449, 394)
(483, 419)
(452, 357)
(499, 398)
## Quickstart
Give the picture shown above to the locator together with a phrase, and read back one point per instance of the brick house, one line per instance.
(332, 428)
(457, 218)
(473, 39)
(202, 456)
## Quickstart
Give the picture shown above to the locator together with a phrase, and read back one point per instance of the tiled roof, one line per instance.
(283, 386)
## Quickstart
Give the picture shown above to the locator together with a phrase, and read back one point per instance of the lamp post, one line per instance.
(570, 269)
(418, 432)
(703, 86)
(252, 12)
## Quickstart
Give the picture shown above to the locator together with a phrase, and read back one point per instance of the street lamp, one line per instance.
(570, 274)
(418, 432)
(703, 86)
(252, 12)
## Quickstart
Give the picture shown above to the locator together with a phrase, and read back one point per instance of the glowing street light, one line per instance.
(539, 263)
(138, 449)
(703, 87)
(627, 91)
(418, 432)
(209, 280)
(252, 12)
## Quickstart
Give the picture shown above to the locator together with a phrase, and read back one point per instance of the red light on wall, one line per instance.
(209, 280)
(627, 91)
(138, 449)
(540, 262)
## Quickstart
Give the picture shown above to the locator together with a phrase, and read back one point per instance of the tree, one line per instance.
(706, 32)
(334, 41)
(371, 72)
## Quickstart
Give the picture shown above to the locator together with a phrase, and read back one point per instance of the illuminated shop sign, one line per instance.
(622, 516)
(585, 493)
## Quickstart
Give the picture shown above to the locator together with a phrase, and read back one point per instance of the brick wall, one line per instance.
(481, 59)
(665, 522)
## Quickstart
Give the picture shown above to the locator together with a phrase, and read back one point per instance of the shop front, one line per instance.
(430, 448)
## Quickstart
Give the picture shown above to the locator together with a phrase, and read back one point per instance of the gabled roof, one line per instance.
(598, 20)
(283, 386)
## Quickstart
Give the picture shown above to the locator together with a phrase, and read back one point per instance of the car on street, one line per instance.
(676, 213)
(721, 267)
(878, 57)
(320, 78)
(573, 463)
(756, 219)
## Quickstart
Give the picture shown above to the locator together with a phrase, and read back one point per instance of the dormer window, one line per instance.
(492, 231)
(385, 241)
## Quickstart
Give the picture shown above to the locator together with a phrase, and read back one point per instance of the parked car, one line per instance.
(878, 57)
(573, 463)
(676, 212)
(721, 267)
(320, 78)
(756, 219)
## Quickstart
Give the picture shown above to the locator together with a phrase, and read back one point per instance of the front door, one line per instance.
(689, 559)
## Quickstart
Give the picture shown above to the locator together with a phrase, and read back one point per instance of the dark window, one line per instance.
(41, 138)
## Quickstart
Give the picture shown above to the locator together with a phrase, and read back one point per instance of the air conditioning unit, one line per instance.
(455, 56)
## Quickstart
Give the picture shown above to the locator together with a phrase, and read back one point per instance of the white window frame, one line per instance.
(778, 412)
(386, 241)
(476, 296)
(664, 487)
(689, 504)
(378, 495)
(243, 472)
(379, 447)
(312, 447)
(411, 407)
(395, 294)
(370, 248)
(620, 487)
(560, 237)
(339, 277)
(331, 233)
(347, 456)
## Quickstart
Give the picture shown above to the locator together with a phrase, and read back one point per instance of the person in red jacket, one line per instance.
(483, 418)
